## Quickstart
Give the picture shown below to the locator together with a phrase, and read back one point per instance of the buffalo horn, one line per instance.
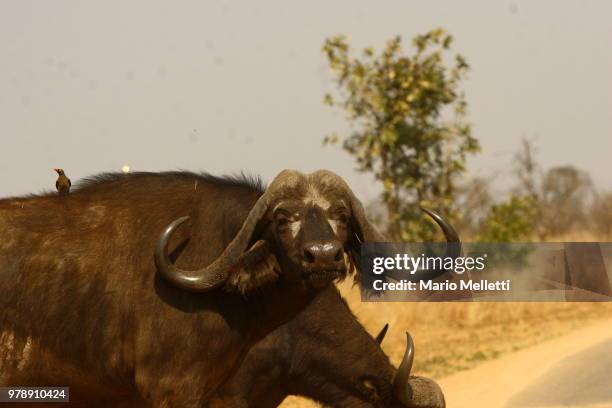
(381, 335)
(401, 387)
(215, 274)
(453, 245)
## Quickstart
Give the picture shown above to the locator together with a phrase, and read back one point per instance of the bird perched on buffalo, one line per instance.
(63, 183)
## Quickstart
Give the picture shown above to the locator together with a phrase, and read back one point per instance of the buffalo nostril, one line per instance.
(338, 256)
(323, 254)
(309, 256)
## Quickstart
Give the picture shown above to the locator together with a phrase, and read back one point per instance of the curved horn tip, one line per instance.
(450, 233)
(437, 217)
(401, 383)
(165, 236)
(381, 335)
(170, 272)
(409, 346)
(425, 209)
(181, 220)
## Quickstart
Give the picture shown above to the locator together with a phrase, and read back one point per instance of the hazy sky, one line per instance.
(225, 86)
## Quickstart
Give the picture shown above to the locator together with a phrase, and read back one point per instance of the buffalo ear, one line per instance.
(364, 229)
(256, 268)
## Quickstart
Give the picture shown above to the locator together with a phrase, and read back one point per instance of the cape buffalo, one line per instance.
(326, 355)
(81, 303)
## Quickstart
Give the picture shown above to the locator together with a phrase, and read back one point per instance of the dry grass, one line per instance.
(456, 336)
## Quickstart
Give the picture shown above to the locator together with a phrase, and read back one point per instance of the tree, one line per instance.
(559, 195)
(408, 114)
(601, 215)
(475, 200)
(565, 191)
(527, 170)
(512, 220)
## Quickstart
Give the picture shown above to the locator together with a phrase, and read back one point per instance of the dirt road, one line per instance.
(574, 370)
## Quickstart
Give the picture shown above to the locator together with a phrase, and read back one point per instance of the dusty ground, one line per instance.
(451, 337)
(572, 370)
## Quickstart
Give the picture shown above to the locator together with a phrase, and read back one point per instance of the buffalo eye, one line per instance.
(282, 218)
(341, 215)
(343, 218)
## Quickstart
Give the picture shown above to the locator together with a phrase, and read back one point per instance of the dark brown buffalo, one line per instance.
(81, 303)
(326, 355)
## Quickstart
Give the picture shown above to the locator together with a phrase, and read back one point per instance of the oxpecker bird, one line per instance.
(63, 183)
